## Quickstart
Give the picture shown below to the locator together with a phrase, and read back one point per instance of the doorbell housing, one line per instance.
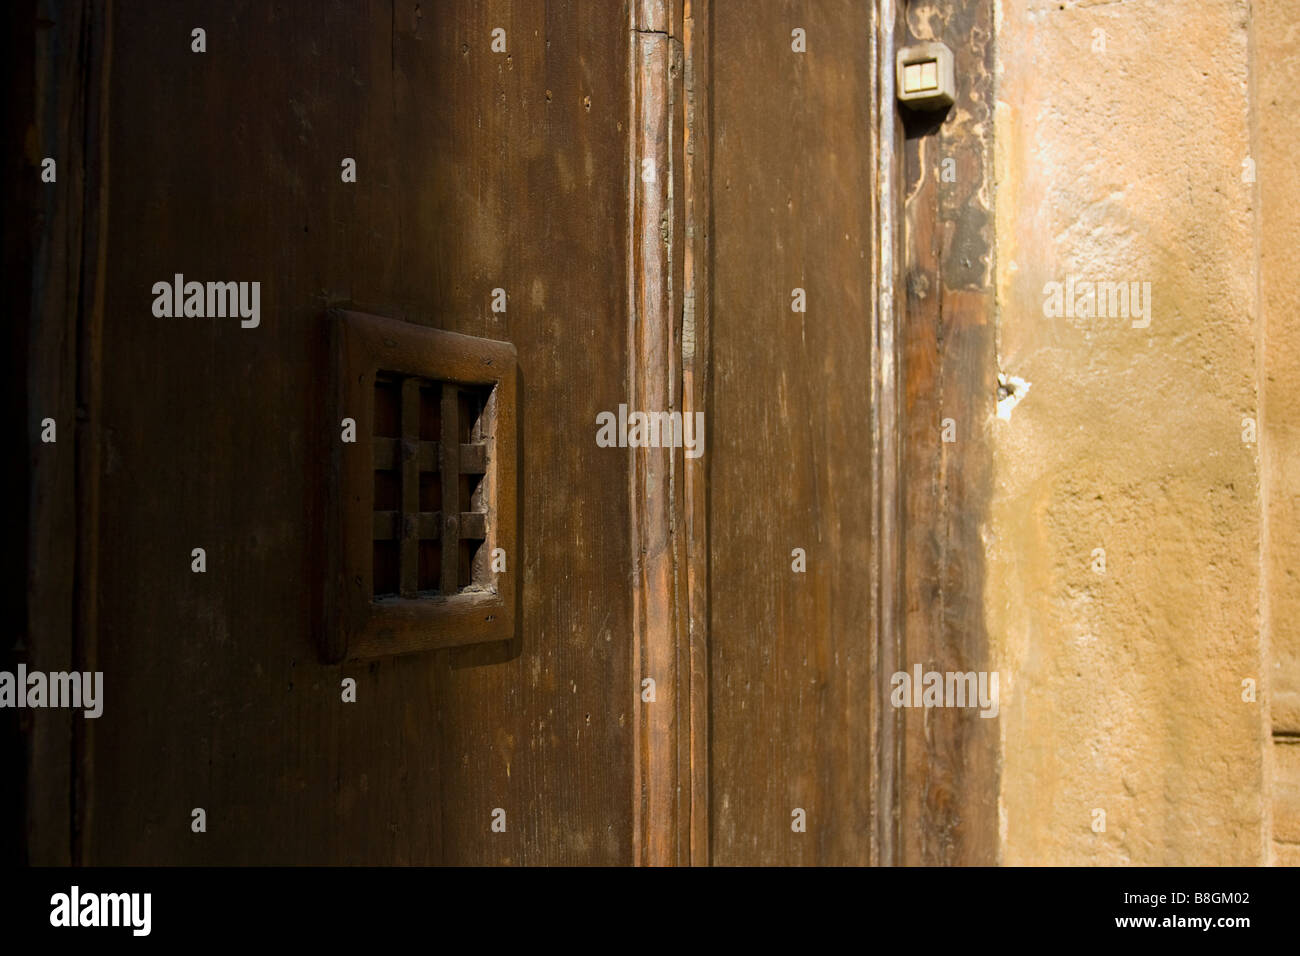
(924, 76)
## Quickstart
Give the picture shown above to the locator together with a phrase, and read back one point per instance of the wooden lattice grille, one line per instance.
(430, 456)
(424, 551)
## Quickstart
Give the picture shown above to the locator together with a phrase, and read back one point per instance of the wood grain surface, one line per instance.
(476, 171)
(790, 444)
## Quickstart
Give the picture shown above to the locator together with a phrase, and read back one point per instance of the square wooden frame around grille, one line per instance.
(360, 624)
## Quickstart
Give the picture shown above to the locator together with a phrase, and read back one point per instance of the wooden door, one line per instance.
(663, 205)
(476, 170)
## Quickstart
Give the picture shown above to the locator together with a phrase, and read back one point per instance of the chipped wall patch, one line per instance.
(1011, 389)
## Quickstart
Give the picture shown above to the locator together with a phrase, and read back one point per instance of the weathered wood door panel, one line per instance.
(792, 456)
(476, 170)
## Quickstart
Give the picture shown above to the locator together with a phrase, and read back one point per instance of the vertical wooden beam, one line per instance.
(696, 382)
(659, 837)
(98, 45)
(449, 450)
(53, 263)
(41, 243)
(948, 763)
(886, 577)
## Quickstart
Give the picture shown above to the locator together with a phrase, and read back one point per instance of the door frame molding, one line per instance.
(944, 794)
(661, 817)
(55, 277)
(886, 432)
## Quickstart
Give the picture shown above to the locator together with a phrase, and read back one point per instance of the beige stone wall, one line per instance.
(1277, 84)
(1120, 138)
